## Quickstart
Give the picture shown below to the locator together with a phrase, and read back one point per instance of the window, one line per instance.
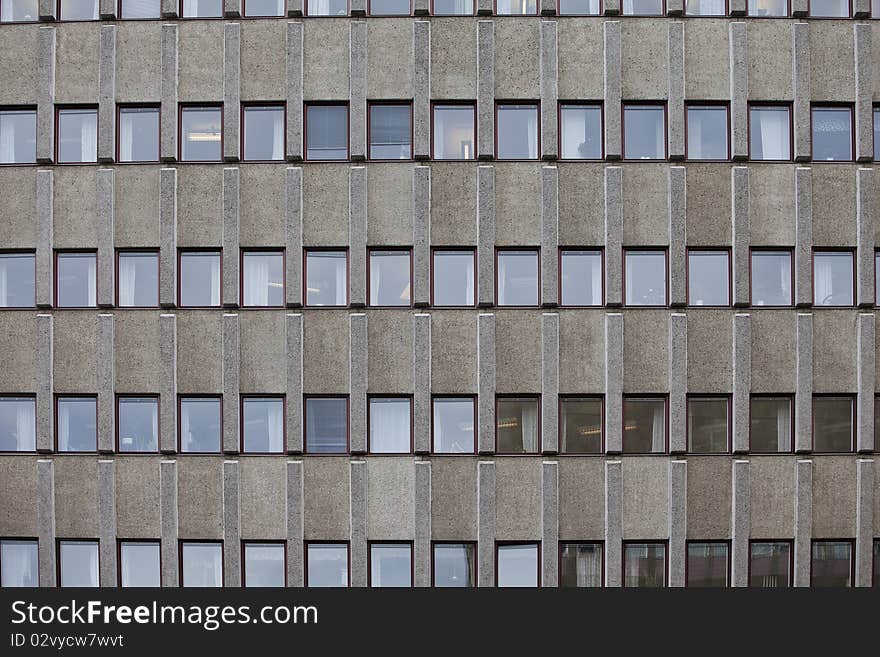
(454, 425)
(707, 127)
(707, 565)
(201, 129)
(770, 424)
(389, 7)
(19, 11)
(515, 7)
(644, 132)
(517, 131)
(327, 8)
(79, 10)
(326, 425)
(76, 282)
(264, 8)
(199, 278)
(770, 564)
(832, 133)
(77, 426)
(453, 277)
(645, 275)
(390, 273)
(262, 428)
(579, 7)
(876, 132)
(771, 278)
(390, 131)
(263, 128)
(517, 277)
(139, 134)
(706, 8)
(138, 424)
(138, 284)
(18, 424)
(643, 7)
(581, 277)
(200, 424)
(644, 564)
(832, 424)
(132, 9)
(833, 278)
(581, 425)
(829, 8)
(516, 428)
(644, 425)
(262, 278)
(390, 565)
(327, 132)
(876, 562)
(581, 127)
(79, 563)
(18, 135)
(139, 563)
(390, 425)
(202, 9)
(454, 565)
(708, 422)
(764, 8)
(453, 8)
(202, 564)
(453, 127)
(877, 278)
(831, 564)
(17, 286)
(580, 565)
(326, 564)
(708, 278)
(264, 564)
(19, 563)
(77, 135)
(770, 132)
(517, 565)
(326, 278)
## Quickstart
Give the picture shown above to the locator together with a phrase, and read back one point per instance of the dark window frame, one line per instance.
(58, 396)
(713, 104)
(538, 399)
(120, 107)
(135, 395)
(78, 20)
(181, 251)
(771, 105)
(852, 125)
(852, 556)
(663, 542)
(772, 395)
(728, 398)
(411, 451)
(454, 249)
(261, 541)
(408, 543)
(725, 542)
(563, 104)
(538, 544)
(182, 107)
(265, 250)
(687, 265)
(853, 420)
(58, 542)
(664, 397)
(523, 102)
(656, 249)
(791, 267)
(326, 103)
(137, 250)
(390, 103)
(511, 249)
(23, 252)
(305, 446)
(821, 250)
(452, 103)
(55, 285)
(582, 397)
(22, 395)
(401, 249)
(601, 545)
(222, 543)
(180, 400)
(306, 545)
(475, 402)
(789, 542)
(645, 103)
(252, 396)
(141, 541)
(255, 104)
(451, 542)
(560, 252)
(305, 276)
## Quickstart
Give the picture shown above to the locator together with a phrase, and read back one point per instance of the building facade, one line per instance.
(336, 296)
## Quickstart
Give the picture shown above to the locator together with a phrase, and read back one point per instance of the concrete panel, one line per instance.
(19, 351)
(138, 61)
(421, 235)
(169, 522)
(169, 95)
(613, 522)
(486, 384)
(803, 521)
(20, 45)
(864, 521)
(453, 204)
(834, 358)
(834, 497)
(46, 521)
(582, 334)
(485, 89)
(390, 56)
(834, 205)
(709, 351)
(863, 125)
(264, 352)
(645, 498)
(709, 497)
(742, 234)
(865, 237)
(325, 339)
(518, 499)
(358, 494)
(231, 258)
(773, 351)
(644, 61)
(486, 517)
(517, 46)
(390, 204)
(45, 382)
(231, 523)
(801, 74)
(518, 361)
(453, 356)
(453, 59)
(803, 406)
(295, 522)
(832, 60)
(866, 359)
(200, 62)
(580, 46)
(678, 238)
(200, 503)
(678, 521)
(614, 382)
(740, 523)
(581, 499)
(45, 93)
(105, 364)
(742, 381)
(550, 383)
(75, 211)
(771, 214)
(326, 59)
(550, 523)
(358, 368)
(517, 204)
(198, 344)
(710, 205)
(421, 82)
(76, 495)
(138, 503)
(769, 60)
(262, 517)
(549, 90)
(707, 59)
(772, 492)
(645, 366)
(107, 95)
(167, 382)
(19, 488)
(18, 218)
(454, 499)
(78, 56)
(74, 349)
(677, 385)
(421, 373)
(357, 90)
(675, 67)
(390, 495)
(486, 235)
(422, 520)
(326, 499)
(325, 204)
(390, 355)
(549, 256)
(199, 206)
(646, 206)
(137, 203)
(357, 236)
(581, 203)
(263, 72)
(262, 206)
(612, 88)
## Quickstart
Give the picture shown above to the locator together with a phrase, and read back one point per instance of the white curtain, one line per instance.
(530, 427)
(256, 281)
(589, 567)
(339, 269)
(275, 425)
(155, 418)
(25, 427)
(469, 283)
(596, 281)
(7, 141)
(278, 136)
(89, 138)
(126, 137)
(215, 281)
(19, 564)
(127, 276)
(92, 282)
(319, 7)
(4, 301)
(774, 135)
(63, 427)
(185, 435)
(783, 429)
(658, 430)
(823, 281)
(533, 134)
(389, 425)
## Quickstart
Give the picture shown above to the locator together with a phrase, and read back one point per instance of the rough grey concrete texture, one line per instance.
(422, 523)
(613, 383)
(676, 90)
(231, 90)
(486, 523)
(861, 8)
(45, 403)
(230, 240)
(737, 7)
(358, 372)
(486, 235)
(43, 238)
(485, 90)
(740, 256)
(550, 523)
(740, 523)
(168, 109)
(107, 95)
(421, 360)
(357, 235)
(549, 90)
(168, 383)
(612, 89)
(801, 85)
(170, 8)
(294, 396)
(294, 522)
(549, 236)
(803, 410)
(677, 521)
(866, 374)
(866, 227)
(550, 383)
(47, 10)
(486, 364)
(864, 78)
(232, 8)
(105, 362)
(45, 504)
(803, 254)
(742, 381)
(357, 95)
(421, 116)
(358, 524)
(46, 95)
(294, 71)
(231, 382)
(293, 236)
(612, 7)
(106, 504)
(613, 523)
(168, 237)
(677, 191)
(678, 379)
(232, 523)
(613, 219)
(421, 228)
(169, 521)
(865, 493)
(739, 90)
(674, 7)
(106, 237)
(803, 522)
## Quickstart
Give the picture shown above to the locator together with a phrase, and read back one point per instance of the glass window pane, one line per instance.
(327, 564)
(202, 564)
(643, 7)
(18, 424)
(769, 133)
(391, 565)
(832, 424)
(14, 11)
(829, 8)
(454, 278)
(390, 132)
(770, 424)
(644, 132)
(389, 7)
(327, 132)
(645, 278)
(708, 278)
(202, 8)
(705, 8)
(326, 425)
(79, 563)
(770, 564)
(453, 129)
(17, 286)
(138, 424)
(264, 8)
(581, 131)
(201, 131)
(79, 10)
(644, 425)
(771, 278)
(263, 279)
(579, 7)
(517, 278)
(768, 8)
(326, 7)
(832, 564)
(580, 565)
(77, 424)
(263, 425)
(141, 8)
(138, 134)
(581, 278)
(707, 425)
(832, 133)
(139, 563)
(581, 426)
(18, 136)
(517, 426)
(264, 564)
(516, 7)
(876, 563)
(200, 278)
(19, 564)
(138, 279)
(518, 565)
(644, 564)
(390, 425)
(833, 278)
(77, 280)
(77, 135)
(200, 424)
(877, 279)
(707, 565)
(389, 278)
(454, 565)
(454, 425)
(517, 132)
(327, 278)
(453, 8)
(263, 132)
(707, 129)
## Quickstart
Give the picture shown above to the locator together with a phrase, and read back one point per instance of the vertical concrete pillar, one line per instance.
(168, 383)
(168, 238)
(230, 237)
(866, 359)
(107, 91)
(357, 7)
(739, 91)
(612, 87)
(549, 236)
(231, 524)
(106, 237)
(737, 7)
(613, 218)
(677, 372)
(45, 403)
(864, 521)
(358, 523)
(421, 89)
(803, 521)
(421, 7)
(46, 521)
(107, 9)
(486, 382)
(486, 523)
(358, 382)
(865, 237)
(549, 89)
(550, 523)
(803, 253)
(295, 90)
(422, 383)
(550, 383)
(801, 85)
(105, 363)
(293, 241)
(742, 235)
(107, 522)
(168, 88)
(484, 7)
(677, 199)
(421, 218)
(548, 7)
(294, 7)
(422, 523)
(231, 89)
(677, 521)
(613, 523)
(47, 10)
(674, 7)
(486, 235)
(613, 383)
(864, 74)
(611, 7)
(675, 80)
(232, 8)
(740, 523)
(168, 522)
(46, 91)
(295, 556)
(44, 228)
(485, 90)
(170, 8)
(803, 417)
(742, 381)
(861, 8)
(231, 384)
(357, 89)
(357, 235)
(294, 398)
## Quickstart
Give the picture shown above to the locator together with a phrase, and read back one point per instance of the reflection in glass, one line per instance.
(18, 424)
(581, 425)
(202, 564)
(770, 564)
(644, 565)
(453, 425)
(390, 565)
(326, 425)
(18, 136)
(581, 131)
(76, 280)
(17, 11)
(453, 130)
(517, 278)
(832, 564)
(17, 284)
(263, 131)
(454, 565)
(769, 133)
(770, 424)
(518, 565)
(644, 132)
(771, 278)
(327, 564)
(327, 132)
(517, 425)
(707, 565)
(263, 278)
(79, 563)
(707, 131)
(453, 278)
(327, 276)
(263, 424)
(832, 133)
(766, 8)
(138, 424)
(77, 135)
(201, 133)
(77, 424)
(200, 424)
(139, 563)
(581, 278)
(645, 278)
(708, 278)
(200, 278)
(833, 278)
(19, 563)
(517, 132)
(264, 564)
(389, 278)
(580, 565)
(390, 425)
(138, 134)
(391, 131)
(138, 279)
(644, 425)
(832, 424)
